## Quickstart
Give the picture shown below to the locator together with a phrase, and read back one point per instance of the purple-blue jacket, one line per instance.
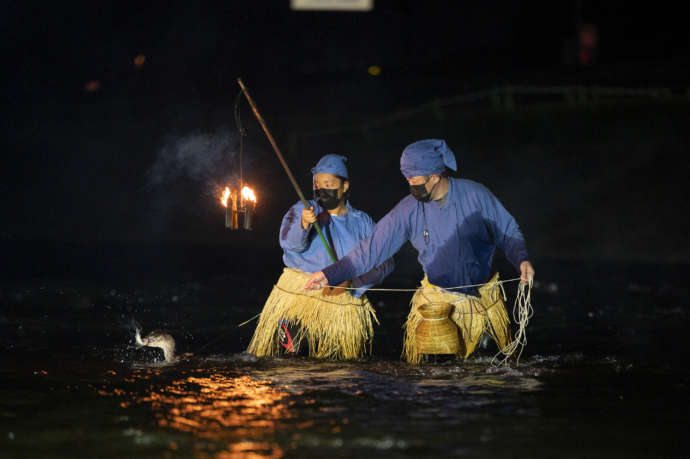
(456, 241)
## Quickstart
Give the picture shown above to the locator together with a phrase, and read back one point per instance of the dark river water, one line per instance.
(604, 374)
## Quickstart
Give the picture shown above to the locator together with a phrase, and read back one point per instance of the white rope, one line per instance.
(522, 313)
(429, 288)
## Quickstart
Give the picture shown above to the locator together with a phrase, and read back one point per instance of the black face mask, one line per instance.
(328, 198)
(420, 193)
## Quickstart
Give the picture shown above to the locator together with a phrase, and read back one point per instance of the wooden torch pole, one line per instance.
(285, 166)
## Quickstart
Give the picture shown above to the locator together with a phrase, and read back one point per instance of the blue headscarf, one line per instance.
(426, 157)
(331, 164)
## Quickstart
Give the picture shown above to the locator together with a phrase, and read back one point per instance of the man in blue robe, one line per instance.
(335, 322)
(455, 225)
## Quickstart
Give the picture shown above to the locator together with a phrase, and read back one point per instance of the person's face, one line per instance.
(331, 182)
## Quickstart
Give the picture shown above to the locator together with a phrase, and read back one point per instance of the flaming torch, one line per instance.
(248, 202)
(231, 221)
(224, 201)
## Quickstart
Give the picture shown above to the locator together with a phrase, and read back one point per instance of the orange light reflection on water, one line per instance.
(215, 407)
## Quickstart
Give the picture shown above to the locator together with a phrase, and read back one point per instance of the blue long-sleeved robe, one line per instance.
(303, 249)
(462, 236)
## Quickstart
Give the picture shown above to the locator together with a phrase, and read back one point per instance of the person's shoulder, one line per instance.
(354, 213)
(465, 183)
(406, 203)
(467, 186)
(359, 215)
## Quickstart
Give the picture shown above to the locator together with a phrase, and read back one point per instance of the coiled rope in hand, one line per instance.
(522, 313)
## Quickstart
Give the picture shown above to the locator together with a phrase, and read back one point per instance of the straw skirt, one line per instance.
(334, 327)
(472, 315)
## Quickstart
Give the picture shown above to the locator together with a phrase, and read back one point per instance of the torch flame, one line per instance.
(248, 194)
(225, 197)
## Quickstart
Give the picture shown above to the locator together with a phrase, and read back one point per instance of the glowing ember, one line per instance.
(248, 194)
(225, 197)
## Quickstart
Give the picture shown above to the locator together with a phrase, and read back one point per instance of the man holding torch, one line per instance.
(336, 323)
(455, 225)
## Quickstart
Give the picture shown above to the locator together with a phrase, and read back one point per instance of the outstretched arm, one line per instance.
(507, 235)
(378, 273)
(387, 237)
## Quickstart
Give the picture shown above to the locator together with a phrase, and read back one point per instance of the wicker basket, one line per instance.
(437, 334)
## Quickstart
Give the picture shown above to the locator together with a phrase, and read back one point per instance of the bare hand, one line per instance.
(308, 217)
(526, 272)
(339, 290)
(316, 281)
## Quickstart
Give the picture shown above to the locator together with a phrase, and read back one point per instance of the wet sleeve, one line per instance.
(292, 236)
(378, 273)
(386, 238)
(505, 230)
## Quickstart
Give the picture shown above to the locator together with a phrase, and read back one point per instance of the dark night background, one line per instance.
(120, 175)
